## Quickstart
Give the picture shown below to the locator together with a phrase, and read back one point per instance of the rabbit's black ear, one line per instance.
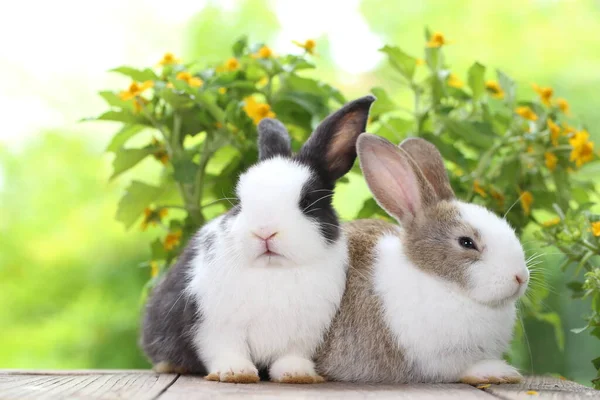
(273, 139)
(332, 146)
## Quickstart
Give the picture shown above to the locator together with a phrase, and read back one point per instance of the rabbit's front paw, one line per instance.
(294, 369)
(491, 371)
(233, 370)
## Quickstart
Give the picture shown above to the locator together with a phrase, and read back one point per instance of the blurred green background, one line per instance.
(70, 280)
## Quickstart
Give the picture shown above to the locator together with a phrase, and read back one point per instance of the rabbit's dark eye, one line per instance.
(467, 243)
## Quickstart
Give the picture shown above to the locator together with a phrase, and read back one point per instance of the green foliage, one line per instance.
(204, 124)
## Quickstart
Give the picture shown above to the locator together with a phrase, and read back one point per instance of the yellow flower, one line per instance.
(232, 64)
(526, 200)
(563, 105)
(262, 82)
(551, 222)
(568, 130)
(551, 160)
(172, 240)
(532, 392)
(499, 197)
(437, 40)
(454, 81)
(222, 90)
(545, 93)
(152, 217)
(154, 269)
(530, 149)
(170, 85)
(135, 89)
(554, 131)
(264, 52)
(596, 228)
(139, 103)
(583, 148)
(189, 79)
(420, 61)
(308, 46)
(478, 189)
(526, 113)
(257, 111)
(495, 89)
(162, 156)
(168, 59)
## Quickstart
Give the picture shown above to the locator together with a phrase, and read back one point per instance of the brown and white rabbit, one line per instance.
(432, 300)
(258, 286)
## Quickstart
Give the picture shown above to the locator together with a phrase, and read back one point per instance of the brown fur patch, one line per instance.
(358, 338)
(237, 378)
(474, 381)
(212, 377)
(431, 242)
(300, 379)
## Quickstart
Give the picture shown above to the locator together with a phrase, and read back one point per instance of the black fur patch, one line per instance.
(273, 139)
(171, 317)
(316, 203)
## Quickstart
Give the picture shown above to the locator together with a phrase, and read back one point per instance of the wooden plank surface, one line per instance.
(109, 385)
(189, 387)
(83, 385)
(543, 387)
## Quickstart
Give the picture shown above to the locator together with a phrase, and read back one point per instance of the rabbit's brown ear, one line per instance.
(394, 179)
(429, 160)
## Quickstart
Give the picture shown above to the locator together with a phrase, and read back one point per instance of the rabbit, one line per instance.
(433, 300)
(257, 287)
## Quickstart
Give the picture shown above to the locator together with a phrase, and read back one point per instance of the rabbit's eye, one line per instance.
(467, 243)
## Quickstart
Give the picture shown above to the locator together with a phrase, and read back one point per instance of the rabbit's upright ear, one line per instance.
(273, 139)
(332, 146)
(431, 164)
(395, 180)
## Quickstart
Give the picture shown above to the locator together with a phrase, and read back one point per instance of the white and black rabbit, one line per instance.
(258, 286)
(432, 300)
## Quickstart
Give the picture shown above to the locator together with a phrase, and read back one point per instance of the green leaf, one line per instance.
(579, 330)
(369, 208)
(138, 196)
(240, 46)
(176, 99)
(185, 170)
(508, 85)
(401, 61)
(477, 134)
(476, 80)
(120, 116)
(554, 319)
(121, 137)
(384, 103)
(128, 158)
(136, 74)
(395, 129)
(157, 250)
(113, 100)
(209, 101)
(596, 362)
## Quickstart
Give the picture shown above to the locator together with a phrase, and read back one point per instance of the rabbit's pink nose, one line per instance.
(521, 279)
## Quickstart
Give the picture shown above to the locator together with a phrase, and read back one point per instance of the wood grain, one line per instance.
(135, 384)
(89, 385)
(188, 387)
(544, 388)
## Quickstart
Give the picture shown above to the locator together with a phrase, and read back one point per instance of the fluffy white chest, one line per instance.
(440, 331)
(274, 310)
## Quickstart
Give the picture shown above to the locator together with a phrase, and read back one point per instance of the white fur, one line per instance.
(258, 310)
(443, 330)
